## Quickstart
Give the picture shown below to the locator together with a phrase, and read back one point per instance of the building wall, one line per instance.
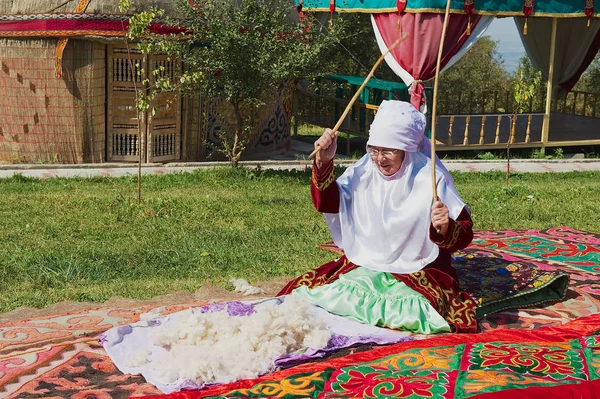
(46, 119)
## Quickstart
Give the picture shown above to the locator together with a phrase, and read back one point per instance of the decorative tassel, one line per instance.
(331, 11)
(469, 6)
(400, 6)
(588, 10)
(528, 6)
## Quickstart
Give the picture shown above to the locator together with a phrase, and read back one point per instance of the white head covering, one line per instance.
(383, 222)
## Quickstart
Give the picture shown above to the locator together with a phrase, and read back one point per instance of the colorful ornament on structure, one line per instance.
(527, 11)
(331, 11)
(400, 5)
(469, 8)
(62, 43)
(588, 9)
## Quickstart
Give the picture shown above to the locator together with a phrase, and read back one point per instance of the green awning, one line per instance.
(371, 84)
(542, 8)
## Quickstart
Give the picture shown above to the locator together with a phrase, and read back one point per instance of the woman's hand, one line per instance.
(439, 217)
(327, 144)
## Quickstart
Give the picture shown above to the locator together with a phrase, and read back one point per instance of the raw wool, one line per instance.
(218, 348)
(241, 285)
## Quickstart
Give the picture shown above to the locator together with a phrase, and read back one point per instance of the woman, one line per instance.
(397, 241)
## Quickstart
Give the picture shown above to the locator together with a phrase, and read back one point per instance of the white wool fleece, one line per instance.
(218, 348)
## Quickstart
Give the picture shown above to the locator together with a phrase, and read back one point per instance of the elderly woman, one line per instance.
(397, 240)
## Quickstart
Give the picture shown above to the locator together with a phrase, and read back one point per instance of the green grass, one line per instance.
(89, 240)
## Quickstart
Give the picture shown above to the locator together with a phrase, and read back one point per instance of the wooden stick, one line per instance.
(435, 94)
(362, 86)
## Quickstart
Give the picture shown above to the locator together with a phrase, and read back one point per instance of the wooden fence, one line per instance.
(474, 121)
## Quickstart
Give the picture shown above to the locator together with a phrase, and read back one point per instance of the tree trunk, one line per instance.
(235, 155)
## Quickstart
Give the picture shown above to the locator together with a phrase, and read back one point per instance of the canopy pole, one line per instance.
(435, 95)
(362, 86)
(546, 124)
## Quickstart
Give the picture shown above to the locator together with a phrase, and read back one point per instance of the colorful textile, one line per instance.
(377, 299)
(72, 365)
(441, 290)
(556, 8)
(500, 284)
(58, 356)
(73, 27)
(453, 366)
(412, 61)
(124, 343)
(557, 251)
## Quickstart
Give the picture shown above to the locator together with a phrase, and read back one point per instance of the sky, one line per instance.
(504, 31)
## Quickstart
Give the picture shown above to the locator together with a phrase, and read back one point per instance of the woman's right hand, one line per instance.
(327, 144)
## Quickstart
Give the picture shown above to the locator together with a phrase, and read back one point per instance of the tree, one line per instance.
(238, 51)
(480, 71)
(527, 76)
(590, 80)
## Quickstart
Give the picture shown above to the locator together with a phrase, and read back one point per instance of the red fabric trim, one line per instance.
(575, 329)
(469, 6)
(528, 7)
(328, 200)
(589, 8)
(401, 5)
(583, 390)
(442, 291)
(322, 275)
(418, 53)
(462, 226)
(75, 27)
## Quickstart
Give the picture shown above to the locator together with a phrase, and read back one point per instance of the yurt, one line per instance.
(68, 92)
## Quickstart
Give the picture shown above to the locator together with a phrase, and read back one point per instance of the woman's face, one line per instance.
(387, 160)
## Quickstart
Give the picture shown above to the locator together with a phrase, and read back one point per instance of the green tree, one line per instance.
(590, 79)
(480, 72)
(527, 76)
(238, 51)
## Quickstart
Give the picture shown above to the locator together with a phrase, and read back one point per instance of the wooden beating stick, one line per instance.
(435, 94)
(362, 86)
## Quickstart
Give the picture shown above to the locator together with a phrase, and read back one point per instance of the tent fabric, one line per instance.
(555, 8)
(414, 60)
(576, 46)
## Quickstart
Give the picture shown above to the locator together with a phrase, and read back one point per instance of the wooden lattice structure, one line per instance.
(69, 91)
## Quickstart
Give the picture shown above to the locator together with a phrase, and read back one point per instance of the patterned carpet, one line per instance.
(58, 357)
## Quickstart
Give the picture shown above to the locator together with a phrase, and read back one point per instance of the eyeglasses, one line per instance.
(385, 153)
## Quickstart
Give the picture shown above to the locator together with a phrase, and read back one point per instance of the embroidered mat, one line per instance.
(511, 271)
(452, 366)
(57, 356)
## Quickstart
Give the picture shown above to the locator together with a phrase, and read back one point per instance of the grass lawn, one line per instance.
(88, 239)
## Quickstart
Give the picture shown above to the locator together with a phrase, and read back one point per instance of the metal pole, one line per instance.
(546, 124)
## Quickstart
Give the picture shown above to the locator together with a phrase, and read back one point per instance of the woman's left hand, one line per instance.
(439, 217)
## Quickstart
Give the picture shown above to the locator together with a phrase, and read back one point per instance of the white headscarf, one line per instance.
(383, 222)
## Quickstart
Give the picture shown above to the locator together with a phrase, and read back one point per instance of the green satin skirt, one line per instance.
(378, 299)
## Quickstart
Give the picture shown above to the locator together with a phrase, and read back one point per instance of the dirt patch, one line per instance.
(208, 292)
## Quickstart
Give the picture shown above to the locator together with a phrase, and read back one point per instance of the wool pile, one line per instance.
(209, 348)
